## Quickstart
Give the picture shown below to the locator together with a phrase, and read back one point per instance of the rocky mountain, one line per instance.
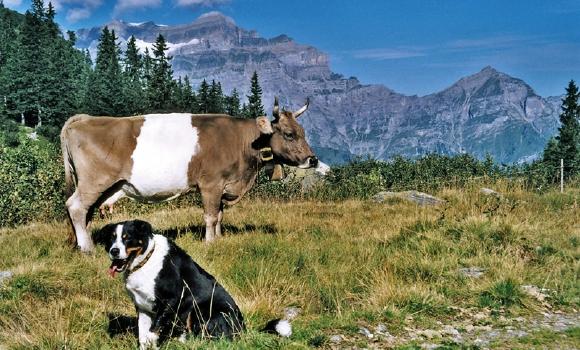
(488, 112)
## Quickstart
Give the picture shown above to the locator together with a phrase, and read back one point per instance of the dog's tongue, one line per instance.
(112, 270)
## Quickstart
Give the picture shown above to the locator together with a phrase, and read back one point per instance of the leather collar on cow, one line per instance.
(266, 154)
(262, 144)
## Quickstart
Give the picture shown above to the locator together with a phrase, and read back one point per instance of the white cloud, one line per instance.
(12, 3)
(206, 3)
(75, 15)
(76, 9)
(125, 5)
(388, 53)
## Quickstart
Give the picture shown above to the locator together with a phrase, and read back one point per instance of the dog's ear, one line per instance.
(142, 228)
(103, 235)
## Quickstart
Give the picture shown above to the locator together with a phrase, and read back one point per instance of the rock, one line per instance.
(480, 316)
(5, 275)
(291, 313)
(322, 168)
(538, 293)
(489, 192)
(420, 198)
(474, 271)
(308, 178)
(364, 331)
(429, 333)
(429, 346)
(336, 339)
(381, 329)
(451, 331)
(33, 136)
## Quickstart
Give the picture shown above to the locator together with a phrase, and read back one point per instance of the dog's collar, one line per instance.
(144, 261)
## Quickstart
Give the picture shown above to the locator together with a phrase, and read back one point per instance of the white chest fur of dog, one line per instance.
(141, 283)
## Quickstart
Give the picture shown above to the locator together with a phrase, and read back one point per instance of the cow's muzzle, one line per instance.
(310, 162)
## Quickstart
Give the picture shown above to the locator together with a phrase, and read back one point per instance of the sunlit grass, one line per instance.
(345, 264)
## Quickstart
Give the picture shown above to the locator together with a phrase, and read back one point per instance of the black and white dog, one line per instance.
(173, 295)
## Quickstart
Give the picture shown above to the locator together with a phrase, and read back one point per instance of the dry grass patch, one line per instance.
(343, 263)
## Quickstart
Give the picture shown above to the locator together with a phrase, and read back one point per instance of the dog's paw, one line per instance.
(149, 341)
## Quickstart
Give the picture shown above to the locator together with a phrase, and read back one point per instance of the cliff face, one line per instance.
(488, 112)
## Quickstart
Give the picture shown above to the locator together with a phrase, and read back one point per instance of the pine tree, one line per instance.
(255, 107)
(233, 104)
(189, 99)
(566, 145)
(161, 83)
(203, 97)
(132, 76)
(216, 97)
(105, 95)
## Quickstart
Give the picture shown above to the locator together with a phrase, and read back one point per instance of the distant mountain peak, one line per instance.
(489, 69)
(215, 16)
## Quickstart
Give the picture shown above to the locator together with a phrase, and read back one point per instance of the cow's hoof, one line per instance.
(87, 250)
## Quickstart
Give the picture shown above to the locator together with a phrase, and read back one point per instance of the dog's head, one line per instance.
(124, 241)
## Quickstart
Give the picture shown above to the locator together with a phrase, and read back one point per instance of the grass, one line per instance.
(345, 264)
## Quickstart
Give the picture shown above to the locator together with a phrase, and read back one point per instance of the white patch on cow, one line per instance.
(165, 146)
(118, 244)
(305, 164)
(141, 283)
(284, 328)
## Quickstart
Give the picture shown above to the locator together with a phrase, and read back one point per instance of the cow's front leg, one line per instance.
(147, 339)
(211, 206)
(218, 225)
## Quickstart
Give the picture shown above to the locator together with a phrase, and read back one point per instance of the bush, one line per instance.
(32, 181)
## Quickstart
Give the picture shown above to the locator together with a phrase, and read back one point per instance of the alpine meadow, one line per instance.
(444, 221)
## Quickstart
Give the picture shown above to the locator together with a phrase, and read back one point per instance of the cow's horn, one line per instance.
(301, 110)
(276, 112)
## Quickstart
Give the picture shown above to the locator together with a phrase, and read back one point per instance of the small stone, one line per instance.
(429, 333)
(5, 275)
(291, 313)
(450, 330)
(336, 339)
(420, 198)
(364, 331)
(480, 316)
(489, 192)
(382, 329)
(429, 346)
(469, 328)
(474, 271)
(539, 294)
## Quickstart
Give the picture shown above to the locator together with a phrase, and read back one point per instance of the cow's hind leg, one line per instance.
(79, 207)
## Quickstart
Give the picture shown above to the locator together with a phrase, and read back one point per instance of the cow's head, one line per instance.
(288, 141)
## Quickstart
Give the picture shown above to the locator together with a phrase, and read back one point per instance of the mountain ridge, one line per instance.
(486, 112)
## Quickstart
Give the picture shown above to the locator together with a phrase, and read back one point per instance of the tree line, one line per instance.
(44, 78)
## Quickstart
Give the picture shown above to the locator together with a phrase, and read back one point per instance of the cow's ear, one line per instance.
(264, 125)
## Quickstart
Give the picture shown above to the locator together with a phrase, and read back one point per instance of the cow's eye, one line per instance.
(288, 136)
(124, 236)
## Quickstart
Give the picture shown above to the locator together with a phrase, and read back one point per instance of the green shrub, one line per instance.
(31, 179)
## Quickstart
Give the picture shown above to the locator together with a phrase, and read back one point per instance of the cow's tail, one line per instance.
(69, 171)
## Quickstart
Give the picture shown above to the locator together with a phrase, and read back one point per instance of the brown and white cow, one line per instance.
(157, 157)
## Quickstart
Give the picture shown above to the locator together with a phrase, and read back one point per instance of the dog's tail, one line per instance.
(282, 326)
(279, 326)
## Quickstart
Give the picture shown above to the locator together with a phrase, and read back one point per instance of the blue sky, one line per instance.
(413, 46)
